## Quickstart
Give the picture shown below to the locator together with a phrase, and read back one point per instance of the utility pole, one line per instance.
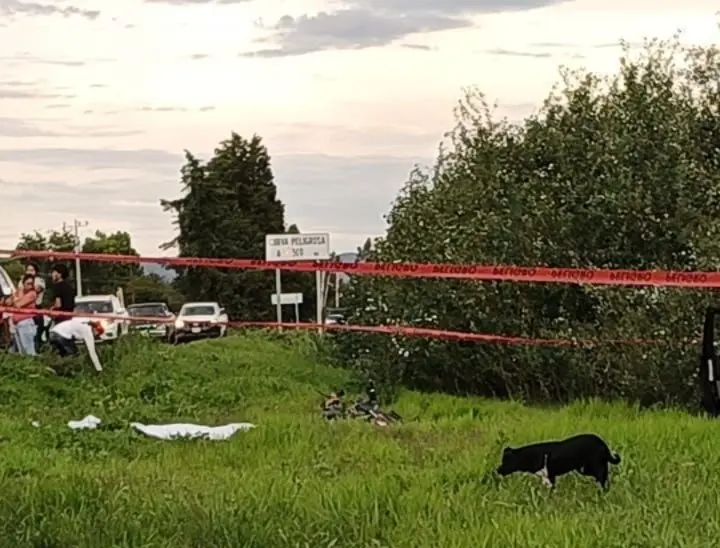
(77, 225)
(337, 290)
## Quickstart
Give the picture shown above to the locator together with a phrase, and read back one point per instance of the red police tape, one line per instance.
(382, 329)
(417, 270)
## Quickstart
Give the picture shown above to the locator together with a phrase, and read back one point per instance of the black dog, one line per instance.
(587, 454)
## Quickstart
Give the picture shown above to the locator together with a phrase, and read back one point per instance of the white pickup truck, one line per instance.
(200, 321)
(105, 304)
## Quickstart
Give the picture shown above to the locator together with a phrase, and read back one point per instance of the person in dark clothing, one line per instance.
(63, 293)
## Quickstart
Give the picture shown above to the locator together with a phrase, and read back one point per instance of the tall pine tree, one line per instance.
(229, 205)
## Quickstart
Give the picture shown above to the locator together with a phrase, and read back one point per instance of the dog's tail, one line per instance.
(614, 458)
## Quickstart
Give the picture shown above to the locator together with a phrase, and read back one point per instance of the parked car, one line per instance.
(200, 321)
(335, 316)
(6, 289)
(163, 330)
(6, 284)
(105, 304)
(335, 319)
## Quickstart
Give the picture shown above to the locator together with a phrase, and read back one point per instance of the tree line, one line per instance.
(226, 207)
(99, 278)
(610, 172)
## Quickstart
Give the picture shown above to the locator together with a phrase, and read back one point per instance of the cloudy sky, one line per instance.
(98, 99)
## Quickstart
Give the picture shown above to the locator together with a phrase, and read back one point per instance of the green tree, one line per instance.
(621, 172)
(152, 288)
(101, 278)
(53, 240)
(98, 277)
(366, 249)
(229, 203)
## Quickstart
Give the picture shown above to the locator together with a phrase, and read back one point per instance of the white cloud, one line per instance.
(95, 111)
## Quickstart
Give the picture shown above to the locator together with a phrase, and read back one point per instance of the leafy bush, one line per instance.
(618, 172)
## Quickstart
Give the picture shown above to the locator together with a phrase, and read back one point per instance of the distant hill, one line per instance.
(169, 275)
(349, 257)
(158, 270)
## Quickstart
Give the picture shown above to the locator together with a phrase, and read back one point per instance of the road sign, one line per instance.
(287, 298)
(297, 247)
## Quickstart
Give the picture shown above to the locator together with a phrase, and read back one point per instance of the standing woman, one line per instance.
(32, 269)
(25, 328)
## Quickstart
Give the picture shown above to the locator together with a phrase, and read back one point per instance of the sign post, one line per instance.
(320, 300)
(278, 290)
(298, 247)
(295, 299)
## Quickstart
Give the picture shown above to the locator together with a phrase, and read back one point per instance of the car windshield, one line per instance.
(6, 286)
(200, 310)
(150, 310)
(95, 307)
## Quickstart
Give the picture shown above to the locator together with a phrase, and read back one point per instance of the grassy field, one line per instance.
(298, 481)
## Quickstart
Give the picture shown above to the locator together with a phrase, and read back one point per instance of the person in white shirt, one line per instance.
(63, 336)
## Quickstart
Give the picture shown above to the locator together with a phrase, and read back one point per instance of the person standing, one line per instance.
(63, 294)
(23, 338)
(31, 269)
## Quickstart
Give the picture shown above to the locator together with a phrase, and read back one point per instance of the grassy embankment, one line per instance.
(298, 481)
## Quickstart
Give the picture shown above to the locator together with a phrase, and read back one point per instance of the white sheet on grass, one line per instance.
(90, 422)
(175, 431)
(171, 431)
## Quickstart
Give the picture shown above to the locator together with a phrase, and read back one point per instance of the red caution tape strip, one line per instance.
(416, 270)
(381, 329)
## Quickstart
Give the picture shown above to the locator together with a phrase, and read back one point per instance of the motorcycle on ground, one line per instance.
(334, 408)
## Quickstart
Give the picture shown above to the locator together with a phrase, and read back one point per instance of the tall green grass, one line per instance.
(298, 481)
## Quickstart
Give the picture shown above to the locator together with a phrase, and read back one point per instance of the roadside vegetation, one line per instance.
(297, 480)
(611, 171)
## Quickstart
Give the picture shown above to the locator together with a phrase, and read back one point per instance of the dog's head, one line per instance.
(509, 462)
(520, 460)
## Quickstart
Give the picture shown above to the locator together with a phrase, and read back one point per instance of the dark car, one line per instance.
(163, 330)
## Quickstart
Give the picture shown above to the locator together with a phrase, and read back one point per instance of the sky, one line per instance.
(99, 99)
